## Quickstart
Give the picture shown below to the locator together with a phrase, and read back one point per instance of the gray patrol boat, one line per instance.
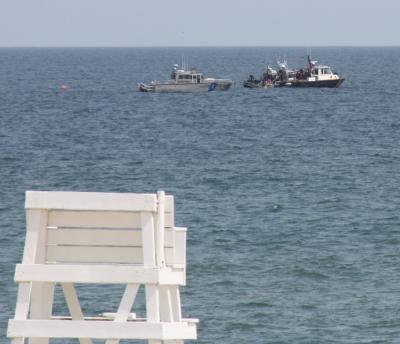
(186, 80)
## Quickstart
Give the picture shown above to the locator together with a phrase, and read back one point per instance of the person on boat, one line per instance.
(310, 63)
(280, 75)
(300, 75)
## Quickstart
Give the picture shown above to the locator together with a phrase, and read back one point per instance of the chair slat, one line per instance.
(100, 254)
(97, 219)
(101, 237)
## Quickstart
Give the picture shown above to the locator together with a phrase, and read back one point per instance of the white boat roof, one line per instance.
(183, 71)
(321, 66)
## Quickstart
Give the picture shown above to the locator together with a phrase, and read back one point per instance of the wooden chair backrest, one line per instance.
(100, 228)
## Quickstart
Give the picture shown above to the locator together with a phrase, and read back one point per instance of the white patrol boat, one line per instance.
(186, 80)
(317, 76)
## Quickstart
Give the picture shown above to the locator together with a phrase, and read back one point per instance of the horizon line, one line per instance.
(197, 46)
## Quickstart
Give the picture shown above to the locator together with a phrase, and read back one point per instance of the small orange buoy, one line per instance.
(63, 87)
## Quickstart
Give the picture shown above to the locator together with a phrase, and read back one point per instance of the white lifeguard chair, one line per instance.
(118, 238)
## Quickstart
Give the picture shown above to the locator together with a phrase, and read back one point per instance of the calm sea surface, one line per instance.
(291, 196)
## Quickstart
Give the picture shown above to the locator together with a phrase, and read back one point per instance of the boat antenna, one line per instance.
(184, 63)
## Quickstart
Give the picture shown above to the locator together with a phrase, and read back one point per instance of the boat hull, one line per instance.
(333, 83)
(252, 84)
(216, 85)
(256, 84)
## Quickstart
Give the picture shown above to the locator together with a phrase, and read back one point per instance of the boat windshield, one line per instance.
(185, 77)
(323, 70)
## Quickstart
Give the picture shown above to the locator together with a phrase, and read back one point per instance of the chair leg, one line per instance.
(169, 309)
(175, 303)
(18, 341)
(74, 307)
(22, 307)
(176, 309)
(153, 303)
(165, 304)
(153, 307)
(125, 307)
(42, 296)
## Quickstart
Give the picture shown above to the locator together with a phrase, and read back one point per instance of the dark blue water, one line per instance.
(291, 196)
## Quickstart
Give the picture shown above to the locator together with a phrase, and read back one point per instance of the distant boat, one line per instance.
(186, 80)
(266, 81)
(313, 76)
(317, 76)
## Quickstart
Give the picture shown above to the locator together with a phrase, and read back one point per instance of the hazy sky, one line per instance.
(198, 23)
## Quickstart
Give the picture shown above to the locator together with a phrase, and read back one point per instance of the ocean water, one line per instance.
(291, 196)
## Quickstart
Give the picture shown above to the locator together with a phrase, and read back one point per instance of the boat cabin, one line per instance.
(323, 73)
(186, 76)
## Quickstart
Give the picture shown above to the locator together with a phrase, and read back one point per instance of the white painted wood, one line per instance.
(94, 237)
(115, 274)
(36, 222)
(98, 219)
(90, 201)
(23, 301)
(148, 239)
(152, 303)
(99, 254)
(42, 295)
(125, 307)
(72, 301)
(74, 307)
(175, 331)
(160, 229)
(169, 204)
(94, 219)
(169, 209)
(94, 254)
(180, 249)
(101, 237)
(179, 245)
(34, 252)
(171, 276)
(112, 316)
(165, 304)
(38, 340)
(190, 320)
(102, 329)
(175, 303)
(104, 316)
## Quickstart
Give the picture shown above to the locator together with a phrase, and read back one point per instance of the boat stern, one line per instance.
(145, 88)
